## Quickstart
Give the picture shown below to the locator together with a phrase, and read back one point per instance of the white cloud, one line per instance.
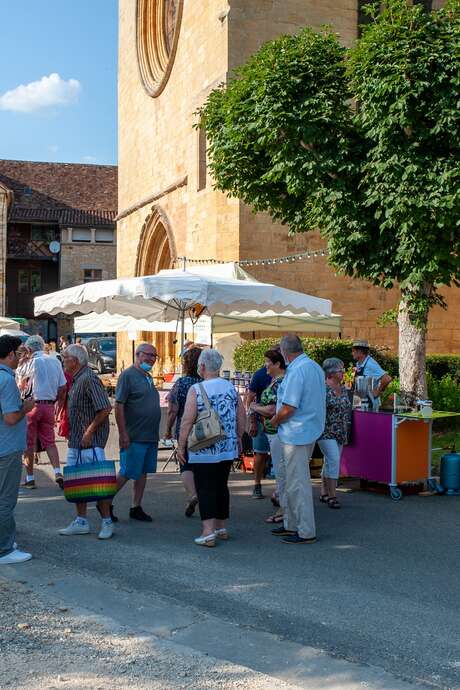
(48, 91)
(89, 159)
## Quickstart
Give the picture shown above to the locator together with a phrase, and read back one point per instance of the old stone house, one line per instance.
(57, 229)
(171, 54)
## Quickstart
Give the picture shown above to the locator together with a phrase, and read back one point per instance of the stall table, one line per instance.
(390, 448)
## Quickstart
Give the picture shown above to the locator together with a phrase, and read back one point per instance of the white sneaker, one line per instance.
(75, 527)
(106, 530)
(15, 556)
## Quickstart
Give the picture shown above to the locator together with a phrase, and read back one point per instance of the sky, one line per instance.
(58, 80)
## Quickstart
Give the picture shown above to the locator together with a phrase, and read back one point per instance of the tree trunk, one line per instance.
(412, 355)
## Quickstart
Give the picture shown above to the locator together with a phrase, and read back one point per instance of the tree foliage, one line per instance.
(381, 179)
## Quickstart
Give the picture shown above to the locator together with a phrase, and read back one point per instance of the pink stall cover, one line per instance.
(369, 454)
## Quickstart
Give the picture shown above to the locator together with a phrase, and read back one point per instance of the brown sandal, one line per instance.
(274, 519)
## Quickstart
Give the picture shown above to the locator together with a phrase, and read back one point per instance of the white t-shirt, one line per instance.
(46, 374)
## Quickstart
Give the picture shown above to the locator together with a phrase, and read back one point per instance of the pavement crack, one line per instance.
(186, 626)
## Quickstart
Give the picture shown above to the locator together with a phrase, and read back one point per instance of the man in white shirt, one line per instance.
(49, 388)
(300, 418)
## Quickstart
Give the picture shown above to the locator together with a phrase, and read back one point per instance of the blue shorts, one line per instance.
(260, 442)
(138, 459)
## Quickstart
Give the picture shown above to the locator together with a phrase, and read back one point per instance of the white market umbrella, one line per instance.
(9, 324)
(174, 294)
(114, 323)
(221, 323)
(286, 322)
(15, 332)
(230, 323)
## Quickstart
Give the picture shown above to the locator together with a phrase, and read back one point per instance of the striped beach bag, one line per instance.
(86, 482)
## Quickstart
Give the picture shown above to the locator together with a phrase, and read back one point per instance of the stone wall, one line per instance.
(158, 145)
(159, 159)
(75, 258)
(250, 24)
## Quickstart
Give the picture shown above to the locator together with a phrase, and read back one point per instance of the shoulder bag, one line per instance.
(207, 429)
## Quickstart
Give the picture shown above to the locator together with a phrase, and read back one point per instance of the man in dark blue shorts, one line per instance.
(259, 382)
(138, 413)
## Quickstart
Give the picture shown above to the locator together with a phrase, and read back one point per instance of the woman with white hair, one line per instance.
(336, 430)
(211, 465)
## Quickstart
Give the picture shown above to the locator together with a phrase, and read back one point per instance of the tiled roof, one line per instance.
(66, 216)
(65, 193)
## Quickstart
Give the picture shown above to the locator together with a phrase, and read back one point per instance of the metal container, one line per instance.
(361, 387)
(426, 408)
(364, 387)
(450, 473)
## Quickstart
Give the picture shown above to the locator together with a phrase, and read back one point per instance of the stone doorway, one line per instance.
(156, 251)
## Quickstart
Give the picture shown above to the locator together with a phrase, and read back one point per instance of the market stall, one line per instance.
(390, 448)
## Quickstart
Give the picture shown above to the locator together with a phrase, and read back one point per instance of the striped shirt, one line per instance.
(86, 398)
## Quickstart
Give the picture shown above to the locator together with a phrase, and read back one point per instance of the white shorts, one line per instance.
(84, 455)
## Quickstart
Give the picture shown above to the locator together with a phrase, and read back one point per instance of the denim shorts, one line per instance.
(260, 442)
(84, 455)
(138, 459)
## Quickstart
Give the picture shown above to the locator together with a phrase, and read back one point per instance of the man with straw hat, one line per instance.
(368, 366)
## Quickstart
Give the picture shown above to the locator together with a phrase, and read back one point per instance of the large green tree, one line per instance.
(363, 144)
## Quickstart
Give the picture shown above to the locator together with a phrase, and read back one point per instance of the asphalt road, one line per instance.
(380, 587)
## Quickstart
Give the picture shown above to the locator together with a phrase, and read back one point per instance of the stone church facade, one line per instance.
(172, 53)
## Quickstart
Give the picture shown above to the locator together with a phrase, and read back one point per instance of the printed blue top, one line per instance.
(224, 399)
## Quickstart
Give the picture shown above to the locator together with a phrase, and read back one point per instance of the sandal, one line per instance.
(190, 509)
(275, 502)
(333, 503)
(324, 498)
(274, 519)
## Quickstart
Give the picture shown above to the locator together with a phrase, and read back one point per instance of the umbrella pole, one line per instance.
(182, 325)
(182, 331)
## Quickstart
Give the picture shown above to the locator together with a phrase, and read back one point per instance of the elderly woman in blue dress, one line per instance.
(336, 430)
(211, 465)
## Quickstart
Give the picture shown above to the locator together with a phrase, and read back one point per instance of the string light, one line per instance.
(290, 258)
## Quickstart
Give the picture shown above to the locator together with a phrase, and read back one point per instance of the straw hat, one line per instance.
(360, 343)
